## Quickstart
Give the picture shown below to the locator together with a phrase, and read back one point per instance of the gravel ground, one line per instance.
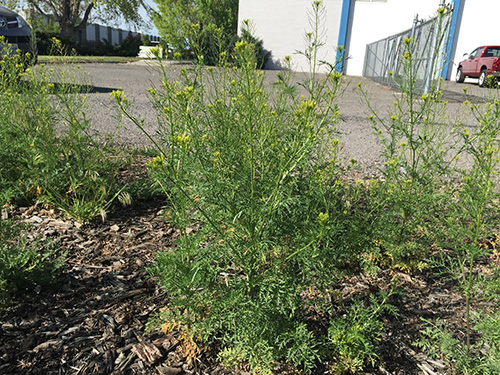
(357, 136)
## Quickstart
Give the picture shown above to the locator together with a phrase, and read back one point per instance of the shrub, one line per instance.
(129, 46)
(262, 56)
(44, 42)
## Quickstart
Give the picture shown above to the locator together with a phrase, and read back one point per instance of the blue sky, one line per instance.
(151, 30)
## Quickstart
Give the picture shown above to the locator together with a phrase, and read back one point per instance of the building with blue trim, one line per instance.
(353, 24)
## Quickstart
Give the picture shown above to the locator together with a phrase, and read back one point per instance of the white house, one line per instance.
(281, 24)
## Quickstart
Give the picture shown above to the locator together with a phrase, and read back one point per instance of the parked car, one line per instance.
(481, 63)
(16, 32)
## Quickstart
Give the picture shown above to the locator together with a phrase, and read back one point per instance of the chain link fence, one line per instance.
(384, 62)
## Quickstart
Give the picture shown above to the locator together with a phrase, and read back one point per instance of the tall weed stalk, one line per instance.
(427, 202)
(473, 221)
(252, 177)
(420, 148)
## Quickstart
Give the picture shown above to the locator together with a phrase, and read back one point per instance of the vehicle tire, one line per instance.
(482, 78)
(460, 76)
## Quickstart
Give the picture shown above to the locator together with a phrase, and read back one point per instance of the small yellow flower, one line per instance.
(323, 218)
(119, 96)
(156, 162)
(182, 140)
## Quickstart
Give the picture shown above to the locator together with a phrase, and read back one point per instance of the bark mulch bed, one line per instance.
(95, 322)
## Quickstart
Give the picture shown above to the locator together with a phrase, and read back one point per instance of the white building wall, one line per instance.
(378, 20)
(282, 24)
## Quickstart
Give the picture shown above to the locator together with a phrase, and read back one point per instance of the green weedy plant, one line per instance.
(47, 150)
(419, 152)
(473, 219)
(352, 338)
(251, 176)
(23, 265)
(477, 196)
(481, 358)
(417, 210)
(12, 148)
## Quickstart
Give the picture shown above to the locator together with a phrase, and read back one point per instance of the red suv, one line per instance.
(481, 63)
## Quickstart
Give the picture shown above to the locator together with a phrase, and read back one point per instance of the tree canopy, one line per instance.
(72, 15)
(194, 24)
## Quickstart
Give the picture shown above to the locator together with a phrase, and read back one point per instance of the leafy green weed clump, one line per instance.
(266, 215)
(47, 151)
(49, 155)
(253, 182)
(25, 266)
(427, 203)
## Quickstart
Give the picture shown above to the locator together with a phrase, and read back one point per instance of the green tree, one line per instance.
(72, 15)
(202, 26)
(11, 4)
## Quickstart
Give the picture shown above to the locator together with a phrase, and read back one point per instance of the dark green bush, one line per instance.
(262, 56)
(129, 46)
(44, 42)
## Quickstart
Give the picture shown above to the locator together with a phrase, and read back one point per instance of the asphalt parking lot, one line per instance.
(356, 132)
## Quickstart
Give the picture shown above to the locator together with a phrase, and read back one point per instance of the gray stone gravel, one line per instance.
(357, 136)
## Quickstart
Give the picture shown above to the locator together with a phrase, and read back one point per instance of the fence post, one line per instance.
(457, 6)
(430, 66)
(415, 23)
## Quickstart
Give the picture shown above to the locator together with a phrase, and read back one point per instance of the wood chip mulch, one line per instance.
(94, 323)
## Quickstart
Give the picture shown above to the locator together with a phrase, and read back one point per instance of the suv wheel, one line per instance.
(482, 78)
(460, 75)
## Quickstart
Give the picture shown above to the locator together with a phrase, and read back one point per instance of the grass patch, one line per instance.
(44, 59)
